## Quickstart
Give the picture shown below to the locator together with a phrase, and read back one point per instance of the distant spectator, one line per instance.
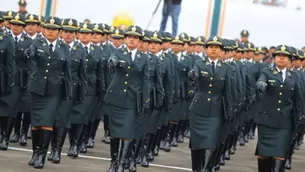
(87, 21)
(171, 8)
(22, 5)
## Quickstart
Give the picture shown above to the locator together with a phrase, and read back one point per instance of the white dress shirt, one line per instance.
(133, 53)
(18, 36)
(215, 62)
(53, 43)
(179, 55)
(33, 37)
(88, 45)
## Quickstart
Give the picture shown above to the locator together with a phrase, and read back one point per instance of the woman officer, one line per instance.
(279, 108)
(49, 83)
(210, 106)
(79, 80)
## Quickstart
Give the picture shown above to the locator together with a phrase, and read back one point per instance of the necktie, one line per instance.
(281, 76)
(86, 48)
(130, 54)
(16, 39)
(213, 67)
(51, 48)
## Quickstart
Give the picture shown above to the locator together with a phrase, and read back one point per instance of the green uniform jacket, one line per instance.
(213, 96)
(281, 105)
(7, 63)
(49, 72)
(129, 88)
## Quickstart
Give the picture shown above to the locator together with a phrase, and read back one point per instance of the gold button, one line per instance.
(125, 90)
(278, 109)
(45, 77)
(210, 92)
(210, 85)
(280, 101)
(87, 60)
(281, 94)
(49, 57)
(281, 86)
(86, 66)
(47, 70)
(127, 75)
(128, 67)
(125, 82)
(211, 78)
(209, 99)
(48, 64)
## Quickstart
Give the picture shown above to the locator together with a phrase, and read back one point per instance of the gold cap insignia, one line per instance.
(183, 36)
(111, 28)
(104, 25)
(17, 17)
(22, 1)
(85, 26)
(199, 39)
(10, 13)
(245, 32)
(70, 23)
(31, 17)
(39, 18)
(259, 48)
(143, 33)
(52, 21)
(215, 38)
(96, 26)
(155, 35)
(78, 24)
(134, 29)
(117, 32)
(177, 38)
(283, 48)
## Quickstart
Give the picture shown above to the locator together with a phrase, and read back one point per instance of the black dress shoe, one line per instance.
(35, 147)
(90, 143)
(23, 139)
(15, 137)
(246, 138)
(43, 149)
(50, 157)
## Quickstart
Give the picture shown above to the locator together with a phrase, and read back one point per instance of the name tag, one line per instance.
(204, 72)
(40, 50)
(271, 81)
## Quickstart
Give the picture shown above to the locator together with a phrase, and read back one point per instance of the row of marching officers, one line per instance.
(148, 97)
(228, 90)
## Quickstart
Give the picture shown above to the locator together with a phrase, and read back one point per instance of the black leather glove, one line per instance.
(110, 64)
(192, 74)
(262, 86)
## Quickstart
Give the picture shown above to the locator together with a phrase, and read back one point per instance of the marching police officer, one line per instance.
(20, 97)
(96, 80)
(7, 16)
(280, 87)
(67, 109)
(210, 106)
(127, 94)
(7, 71)
(49, 83)
(22, 5)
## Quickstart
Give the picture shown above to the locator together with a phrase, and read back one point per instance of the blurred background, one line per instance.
(269, 22)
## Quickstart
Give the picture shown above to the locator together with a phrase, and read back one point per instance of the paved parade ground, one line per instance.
(97, 160)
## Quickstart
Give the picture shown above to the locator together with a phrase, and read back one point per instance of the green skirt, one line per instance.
(8, 103)
(122, 122)
(205, 131)
(44, 109)
(79, 113)
(273, 142)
